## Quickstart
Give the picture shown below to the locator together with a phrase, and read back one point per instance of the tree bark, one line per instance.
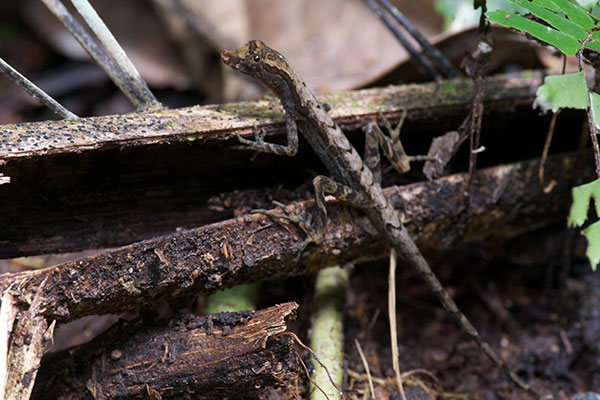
(216, 356)
(506, 201)
(113, 180)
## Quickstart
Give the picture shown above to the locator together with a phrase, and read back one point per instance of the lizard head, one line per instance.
(257, 60)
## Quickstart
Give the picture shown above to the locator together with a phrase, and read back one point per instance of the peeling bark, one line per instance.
(215, 356)
(29, 339)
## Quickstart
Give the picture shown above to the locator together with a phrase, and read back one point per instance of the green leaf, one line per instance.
(581, 201)
(576, 13)
(595, 102)
(547, 4)
(579, 210)
(595, 45)
(587, 4)
(563, 42)
(592, 234)
(562, 91)
(558, 21)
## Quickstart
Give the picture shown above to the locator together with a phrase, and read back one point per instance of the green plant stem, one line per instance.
(590, 116)
(327, 330)
(238, 298)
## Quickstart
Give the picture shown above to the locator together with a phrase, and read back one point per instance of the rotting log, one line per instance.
(506, 200)
(216, 356)
(107, 181)
(218, 123)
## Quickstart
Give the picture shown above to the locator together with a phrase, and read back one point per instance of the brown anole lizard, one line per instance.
(353, 180)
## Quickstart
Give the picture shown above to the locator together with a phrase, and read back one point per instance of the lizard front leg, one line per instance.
(260, 145)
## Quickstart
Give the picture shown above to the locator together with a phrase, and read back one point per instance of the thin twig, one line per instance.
(358, 376)
(91, 46)
(544, 157)
(393, 323)
(434, 379)
(286, 385)
(305, 347)
(308, 375)
(131, 84)
(475, 127)
(422, 63)
(144, 97)
(431, 51)
(593, 135)
(34, 91)
(583, 44)
(475, 64)
(366, 366)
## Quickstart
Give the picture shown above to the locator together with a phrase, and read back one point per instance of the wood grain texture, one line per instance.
(215, 356)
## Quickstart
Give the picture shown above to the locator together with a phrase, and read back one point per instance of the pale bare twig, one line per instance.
(33, 90)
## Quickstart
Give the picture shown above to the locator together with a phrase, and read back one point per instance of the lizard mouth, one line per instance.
(231, 59)
(226, 56)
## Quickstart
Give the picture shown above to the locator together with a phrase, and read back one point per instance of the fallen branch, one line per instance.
(108, 181)
(216, 356)
(506, 201)
(220, 123)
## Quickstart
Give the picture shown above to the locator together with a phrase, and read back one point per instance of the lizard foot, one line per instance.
(259, 139)
(312, 235)
(257, 144)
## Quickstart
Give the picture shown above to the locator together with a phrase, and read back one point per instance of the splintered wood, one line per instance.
(219, 356)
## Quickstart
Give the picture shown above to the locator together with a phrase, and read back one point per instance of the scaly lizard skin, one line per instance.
(353, 181)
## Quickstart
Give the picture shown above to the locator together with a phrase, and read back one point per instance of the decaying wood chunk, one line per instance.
(30, 336)
(215, 356)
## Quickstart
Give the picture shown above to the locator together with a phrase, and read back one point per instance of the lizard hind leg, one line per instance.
(391, 146)
(313, 231)
(314, 226)
(371, 157)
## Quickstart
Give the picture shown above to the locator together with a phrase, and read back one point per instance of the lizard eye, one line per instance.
(256, 59)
